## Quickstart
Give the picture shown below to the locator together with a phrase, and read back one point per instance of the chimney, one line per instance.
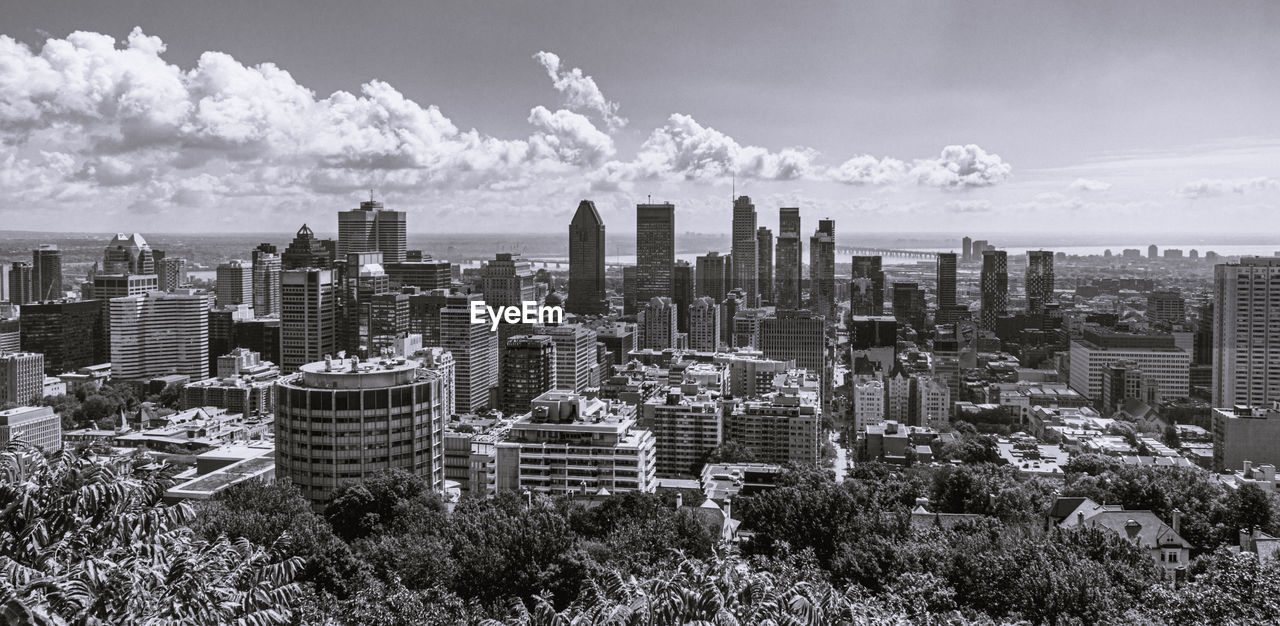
(1079, 519)
(1248, 469)
(1177, 521)
(679, 501)
(727, 513)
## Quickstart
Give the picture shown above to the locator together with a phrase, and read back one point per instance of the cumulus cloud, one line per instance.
(957, 167)
(1212, 187)
(1088, 184)
(580, 91)
(683, 149)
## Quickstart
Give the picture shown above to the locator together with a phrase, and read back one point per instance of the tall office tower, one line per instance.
(266, 284)
(704, 325)
(788, 278)
(21, 378)
(394, 418)
(261, 250)
(307, 251)
(994, 284)
(234, 284)
(746, 269)
(946, 287)
(586, 262)
(629, 290)
(308, 317)
(1246, 332)
(657, 324)
(388, 315)
(979, 246)
(682, 293)
(711, 276)
(128, 254)
(866, 289)
(1166, 305)
(371, 228)
(908, 305)
(424, 314)
(475, 354)
(46, 273)
(4, 281)
(576, 354)
(822, 268)
(507, 280)
(160, 333)
(528, 371)
(966, 249)
(362, 278)
(20, 283)
(261, 335)
(171, 273)
(764, 258)
(798, 336)
(1039, 280)
(655, 250)
(71, 334)
(1153, 251)
(728, 311)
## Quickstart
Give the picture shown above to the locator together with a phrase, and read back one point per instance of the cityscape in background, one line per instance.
(261, 362)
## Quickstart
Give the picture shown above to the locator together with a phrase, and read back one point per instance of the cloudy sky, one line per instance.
(1152, 117)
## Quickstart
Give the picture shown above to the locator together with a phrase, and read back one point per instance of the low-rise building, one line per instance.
(1244, 433)
(1142, 528)
(222, 468)
(36, 425)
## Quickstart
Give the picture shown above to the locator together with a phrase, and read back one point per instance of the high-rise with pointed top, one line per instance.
(586, 262)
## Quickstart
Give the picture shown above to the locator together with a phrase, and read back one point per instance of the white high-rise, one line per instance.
(158, 333)
(1246, 332)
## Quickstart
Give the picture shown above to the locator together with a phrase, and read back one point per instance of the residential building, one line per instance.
(994, 284)
(475, 353)
(1039, 280)
(704, 325)
(1246, 332)
(160, 333)
(21, 378)
(658, 325)
(686, 428)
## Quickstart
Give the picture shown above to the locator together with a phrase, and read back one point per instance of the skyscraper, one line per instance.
(528, 371)
(788, 279)
(171, 273)
(764, 258)
(234, 284)
(46, 273)
(966, 249)
(682, 292)
(307, 251)
(372, 228)
(361, 279)
(745, 258)
(946, 287)
(822, 268)
(71, 334)
(704, 325)
(128, 254)
(657, 325)
(308, 317)
(1039, 280)
(475, 354)
(712, 274)
(655, 250)
(866, 289)
(586, 262)
(1246, 332)
(160, 333)
(1153, 251)
(507, 280)
(575, 355)
(20, 283)
(266, 284)
(994, 284)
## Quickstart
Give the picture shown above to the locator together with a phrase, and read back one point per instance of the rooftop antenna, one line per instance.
(371, 194)
(733, 189)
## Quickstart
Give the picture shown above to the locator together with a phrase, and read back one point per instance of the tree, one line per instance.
(731, 452)
(84, 543)
(381, 501)
(1248, 507)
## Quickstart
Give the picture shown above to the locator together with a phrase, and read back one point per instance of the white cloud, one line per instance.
(580, 91)
(1212, 187)
(1088, 184)
(957, 167)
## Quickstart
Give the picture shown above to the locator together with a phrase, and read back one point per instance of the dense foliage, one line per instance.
(84, 541)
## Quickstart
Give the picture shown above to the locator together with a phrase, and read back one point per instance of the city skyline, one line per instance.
(887, 135)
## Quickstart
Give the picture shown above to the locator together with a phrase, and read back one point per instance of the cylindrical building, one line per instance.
(339, 420)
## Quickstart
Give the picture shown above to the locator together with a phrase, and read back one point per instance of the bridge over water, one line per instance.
(843, 251)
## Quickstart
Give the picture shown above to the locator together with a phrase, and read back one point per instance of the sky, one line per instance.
(966, 117)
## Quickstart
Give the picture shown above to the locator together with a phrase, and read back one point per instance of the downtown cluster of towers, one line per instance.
(757, 271)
